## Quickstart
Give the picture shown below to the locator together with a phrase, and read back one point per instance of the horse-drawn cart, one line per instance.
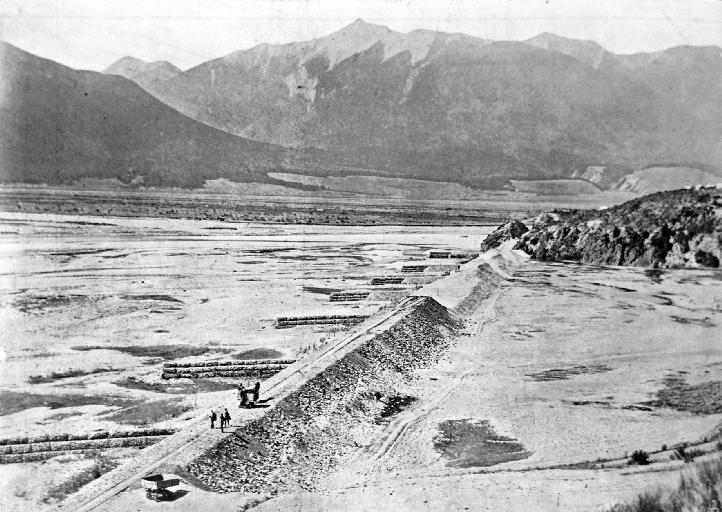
(156, 486)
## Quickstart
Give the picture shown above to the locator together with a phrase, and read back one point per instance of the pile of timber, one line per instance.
(413, 268)
(453, 255)
(387, 280)
(259, 368)
(439, 254)
(283, 322)
(320, 290)
(349, 296)
(30, 449)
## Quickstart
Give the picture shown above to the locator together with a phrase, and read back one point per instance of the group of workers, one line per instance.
(243, 396)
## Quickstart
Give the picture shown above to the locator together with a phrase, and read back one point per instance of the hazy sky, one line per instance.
(91, 34)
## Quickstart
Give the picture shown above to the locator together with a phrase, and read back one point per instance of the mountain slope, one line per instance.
(58, 125)
(658, 179)
(588, 52)
(146, 74)
(449, 106)
(688, 76)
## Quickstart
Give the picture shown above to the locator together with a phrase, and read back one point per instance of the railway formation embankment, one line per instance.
(298, 441)
(318, 409)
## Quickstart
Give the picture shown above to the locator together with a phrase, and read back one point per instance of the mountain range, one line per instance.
(451, 106)
(60, 125)
(367, 100)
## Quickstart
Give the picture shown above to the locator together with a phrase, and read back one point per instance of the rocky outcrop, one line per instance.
(681, 228)
(509, 231)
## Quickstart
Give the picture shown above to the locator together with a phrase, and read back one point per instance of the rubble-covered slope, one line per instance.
(680, 228)
(302, 438)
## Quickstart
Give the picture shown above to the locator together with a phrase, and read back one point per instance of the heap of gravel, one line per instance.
(298, 442)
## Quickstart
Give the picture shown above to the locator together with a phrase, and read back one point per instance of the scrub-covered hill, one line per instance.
(681, 228)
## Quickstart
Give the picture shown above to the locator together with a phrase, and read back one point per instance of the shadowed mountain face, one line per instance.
(58, 125)
(450, 106)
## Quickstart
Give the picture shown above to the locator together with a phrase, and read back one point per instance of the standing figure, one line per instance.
(241, 391)
(241, 395)
(256, 391)
(227, 417)
(214, 417)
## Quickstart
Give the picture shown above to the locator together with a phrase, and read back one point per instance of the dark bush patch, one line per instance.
(394, 405)
(179, 388)
(705, 398)
(58, 493)
(468, 443)
(151, 296)
(44, 379)
(161, 351)
(12, 402)
(148, 413)
(639, 458)
(39, 303)
(258, 353)
(682, 452)
(565, 373)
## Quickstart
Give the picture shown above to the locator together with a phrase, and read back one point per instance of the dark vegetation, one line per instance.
(698, 489)
(258, 353)
(470, 443)
(159, 351)
(565, 373)
(182, 388)
(44, 379)
(704, 398)
(686, 454)
(152, 296)
(148, 413)
(393, 405)
(639, 458)
(59, 492)
(36, 304)
(13, 401)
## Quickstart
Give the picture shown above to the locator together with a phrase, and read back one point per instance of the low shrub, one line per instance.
(698, 489)
(685, 454)
(639, 458)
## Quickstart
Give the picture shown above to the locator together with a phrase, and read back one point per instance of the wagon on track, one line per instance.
(156, 486)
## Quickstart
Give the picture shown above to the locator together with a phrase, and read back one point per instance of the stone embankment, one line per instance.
(302, 438)
(681, 228)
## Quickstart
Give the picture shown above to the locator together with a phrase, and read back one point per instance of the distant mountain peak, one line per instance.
(123, 64)
(589, 52)
(359, 30)
(361, 24)
(146, 74)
